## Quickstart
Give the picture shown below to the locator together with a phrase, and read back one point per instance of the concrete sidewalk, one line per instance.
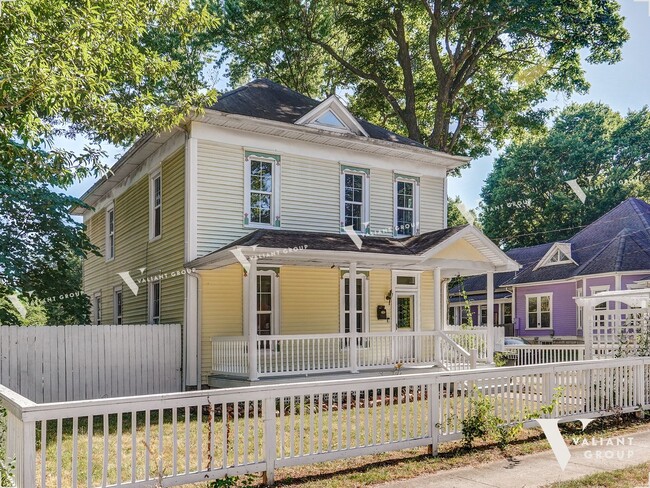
(542, 469)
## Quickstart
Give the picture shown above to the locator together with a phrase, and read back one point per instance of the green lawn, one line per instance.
(635, 476)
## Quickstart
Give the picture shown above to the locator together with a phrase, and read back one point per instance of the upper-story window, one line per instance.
(155, 206)
(262, 190)
(110, 233)
(355, 199)
(406, 206)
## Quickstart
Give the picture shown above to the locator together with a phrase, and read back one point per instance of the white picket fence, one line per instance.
(80, 362)
(529, 354)
(179, 438)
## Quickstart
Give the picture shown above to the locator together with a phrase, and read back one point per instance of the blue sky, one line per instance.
(624, 86)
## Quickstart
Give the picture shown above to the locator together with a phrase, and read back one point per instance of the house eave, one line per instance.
(325, 137)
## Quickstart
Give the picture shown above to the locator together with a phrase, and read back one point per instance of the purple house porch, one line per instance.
(611, 254)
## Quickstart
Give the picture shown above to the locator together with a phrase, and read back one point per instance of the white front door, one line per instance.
(404, 323)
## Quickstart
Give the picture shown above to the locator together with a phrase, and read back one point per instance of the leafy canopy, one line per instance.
(527, 198)
(106, 70)
(455, 75)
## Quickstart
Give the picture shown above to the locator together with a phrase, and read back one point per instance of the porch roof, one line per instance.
(461, 250)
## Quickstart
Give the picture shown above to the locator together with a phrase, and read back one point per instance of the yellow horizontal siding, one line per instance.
(309, 300)
(221, 308)
(426, 300)
(378, 288)
(133, 249)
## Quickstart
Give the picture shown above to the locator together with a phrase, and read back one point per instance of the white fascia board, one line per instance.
(334, 140)
(120, 185)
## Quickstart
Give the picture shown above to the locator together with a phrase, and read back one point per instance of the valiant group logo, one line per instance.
(552, 432)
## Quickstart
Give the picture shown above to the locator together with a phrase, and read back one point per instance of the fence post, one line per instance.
(434, 416)
(639, 386)
(21, 446)
(473, 358)
(270, 440)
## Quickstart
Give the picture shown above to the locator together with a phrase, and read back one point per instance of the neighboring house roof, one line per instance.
(264, 99)
(523, 255)
(480, 297)
(617, 241)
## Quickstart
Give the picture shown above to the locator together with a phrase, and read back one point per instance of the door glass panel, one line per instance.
(404, 312)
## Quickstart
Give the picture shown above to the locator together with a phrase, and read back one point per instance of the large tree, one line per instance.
(455, 75)
(104, 70)
(546, 187)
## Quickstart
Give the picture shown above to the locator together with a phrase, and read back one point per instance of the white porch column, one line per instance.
(587, 328)
(354, 346)
(490, 317)
(252, 320)
(444, 316)
(437, 314)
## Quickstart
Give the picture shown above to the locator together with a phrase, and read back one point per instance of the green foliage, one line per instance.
(246, 481)
(457, 76)
(526, 198)
(108, 71)
(454, 215)
(483, 423)
(7, 467)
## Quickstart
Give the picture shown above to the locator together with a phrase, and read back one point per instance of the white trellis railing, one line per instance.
(530, 354)
(179, 438)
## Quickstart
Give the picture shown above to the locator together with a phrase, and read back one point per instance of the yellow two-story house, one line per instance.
(248, 223)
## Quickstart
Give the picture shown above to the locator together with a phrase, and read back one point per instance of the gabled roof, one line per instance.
(264, 99)
(415, 252)
(617, 241)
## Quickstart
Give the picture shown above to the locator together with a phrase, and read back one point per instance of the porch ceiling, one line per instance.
(462, 250)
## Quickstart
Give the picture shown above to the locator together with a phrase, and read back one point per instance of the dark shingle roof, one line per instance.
(321, 241)
(617, 241)
(264, 99)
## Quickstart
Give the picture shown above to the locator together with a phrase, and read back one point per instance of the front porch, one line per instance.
(286, 297)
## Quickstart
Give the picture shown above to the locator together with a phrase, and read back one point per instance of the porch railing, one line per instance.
(283, 355)
(530, 354)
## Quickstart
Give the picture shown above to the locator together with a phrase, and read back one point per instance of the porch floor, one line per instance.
(229, 381)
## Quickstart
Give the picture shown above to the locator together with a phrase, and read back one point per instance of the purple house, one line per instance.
(612, 253)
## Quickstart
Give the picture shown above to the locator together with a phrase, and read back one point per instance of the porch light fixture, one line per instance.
(389, 296)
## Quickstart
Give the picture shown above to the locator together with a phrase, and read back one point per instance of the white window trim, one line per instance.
(116, 290)
(96, 311)
(479, 316)
(110, 250)
(275, 296)
(150, 300)
(365, 204)
(406, 290)
(275, 189)
(564, 247)
(598, 289)
(365, 324)
(416, 206)
(152, 201)
(550, 305)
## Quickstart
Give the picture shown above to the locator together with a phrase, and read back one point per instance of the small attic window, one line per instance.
(559, 257)
(329, 119)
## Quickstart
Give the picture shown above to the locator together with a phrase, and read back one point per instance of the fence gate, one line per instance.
(83, 362)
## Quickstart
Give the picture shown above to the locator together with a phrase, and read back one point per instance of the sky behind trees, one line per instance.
(624, 86)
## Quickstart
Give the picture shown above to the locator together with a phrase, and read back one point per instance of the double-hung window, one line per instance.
(155, 206)
(406, 206)
(262, 183)
(264, 304)
(97, 308)
(360, 319)
(117, 305)
(355, 199)
(539, 311)
(154, 302)
(110, 233)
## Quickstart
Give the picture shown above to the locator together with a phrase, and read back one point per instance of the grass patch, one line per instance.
(620, 478)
